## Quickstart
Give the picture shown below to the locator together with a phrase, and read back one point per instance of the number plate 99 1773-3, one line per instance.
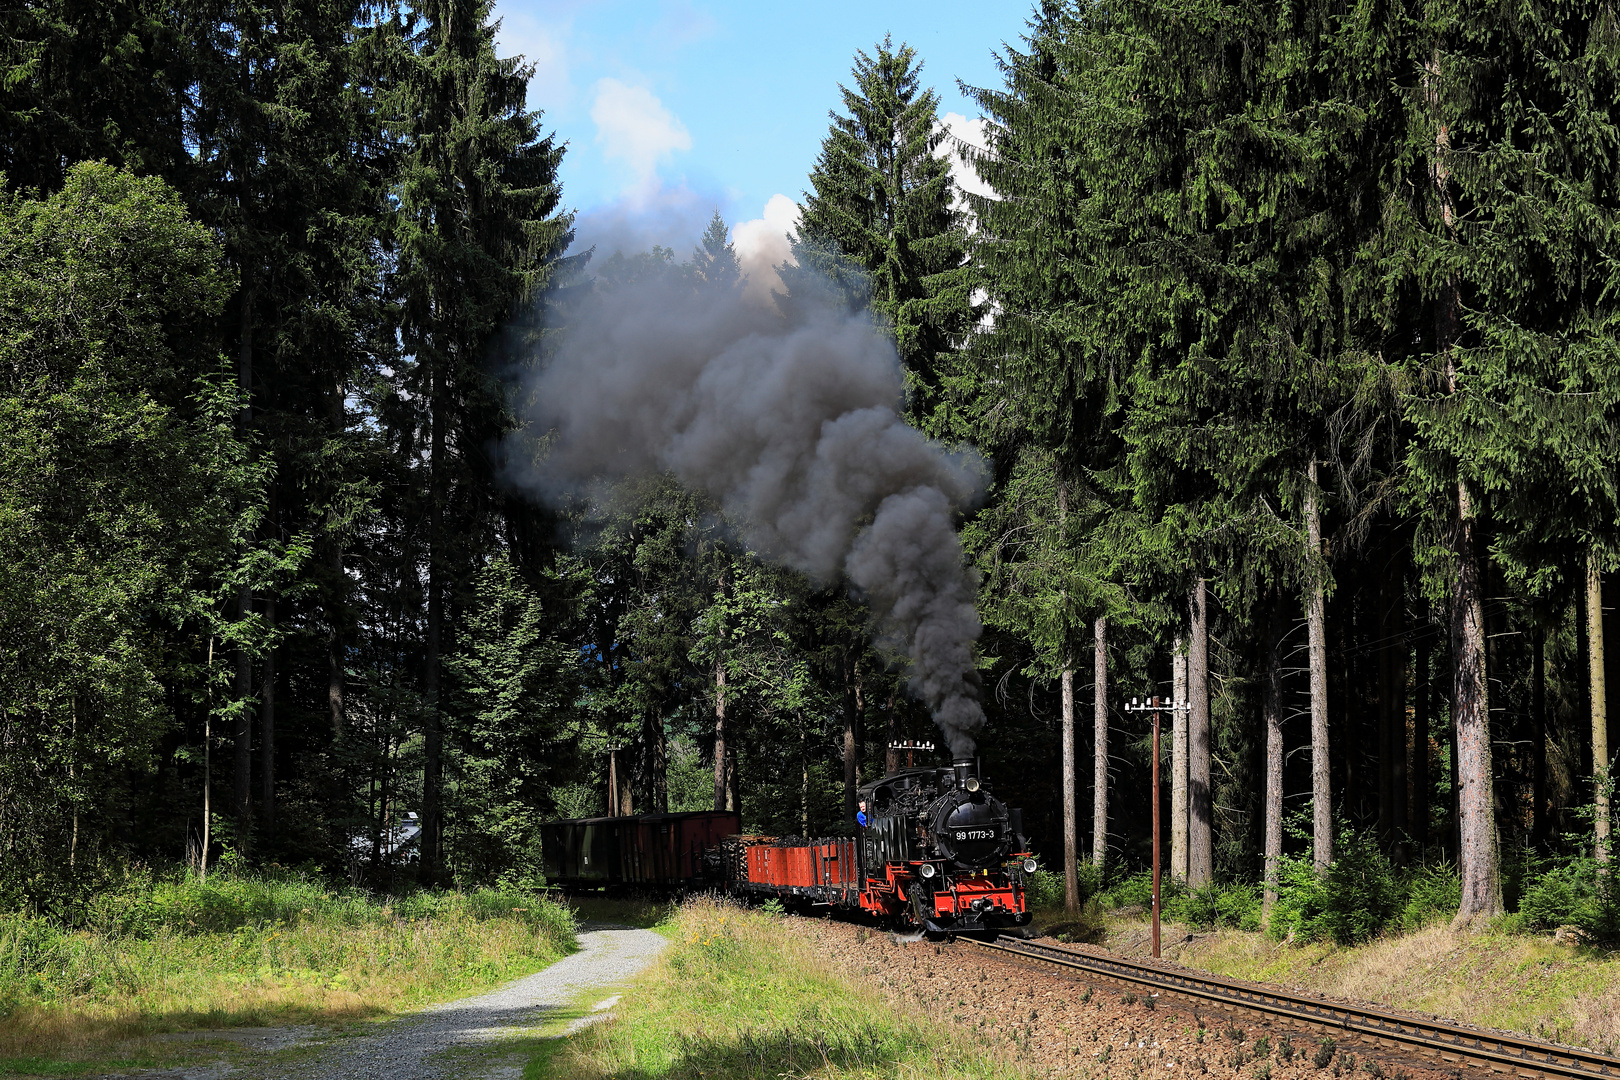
(973, 834)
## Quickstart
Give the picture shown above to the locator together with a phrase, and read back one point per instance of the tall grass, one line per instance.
(165, 954)
(734, 997)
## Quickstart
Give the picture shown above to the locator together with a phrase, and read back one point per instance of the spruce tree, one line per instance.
(879, 221)
(714, 261)
(477, 234)
(1507, 216)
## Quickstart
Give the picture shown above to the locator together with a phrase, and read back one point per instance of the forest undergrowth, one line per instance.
(168, 954)
(734, 997)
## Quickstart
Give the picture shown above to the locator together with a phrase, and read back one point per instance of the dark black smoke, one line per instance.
(792, 424)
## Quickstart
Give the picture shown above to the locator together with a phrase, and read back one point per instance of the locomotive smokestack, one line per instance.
(791, 421)
(965, 769)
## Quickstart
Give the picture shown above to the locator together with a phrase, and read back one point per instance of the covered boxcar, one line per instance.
(661, 852)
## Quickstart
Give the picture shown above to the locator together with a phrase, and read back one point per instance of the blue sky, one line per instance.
(672, 110)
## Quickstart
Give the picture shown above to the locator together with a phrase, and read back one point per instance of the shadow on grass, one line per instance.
(1090, 926)
(867, 1052)
(643, 913)
(49, 1042)
(37, 1066)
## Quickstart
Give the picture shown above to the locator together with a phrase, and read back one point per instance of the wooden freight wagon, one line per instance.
(652, 852)
(823, 871)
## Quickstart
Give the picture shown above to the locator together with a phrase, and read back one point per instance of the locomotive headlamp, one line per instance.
(972, 783)
(1030, 866)
(927, 870)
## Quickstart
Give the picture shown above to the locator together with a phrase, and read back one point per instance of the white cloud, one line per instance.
(762, 245)
(971, 132)
(545, 46)
(633, 126)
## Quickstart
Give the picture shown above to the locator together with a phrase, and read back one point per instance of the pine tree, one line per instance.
(714, 261)
(879, 221)
(1508, 206)
(84, 80)
(477, 234)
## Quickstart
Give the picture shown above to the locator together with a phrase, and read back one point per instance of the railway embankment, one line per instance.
(743, 993)
(1542, 986)
(1060, 1023)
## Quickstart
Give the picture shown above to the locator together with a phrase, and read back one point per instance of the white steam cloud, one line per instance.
(765, 243)
(792, 424)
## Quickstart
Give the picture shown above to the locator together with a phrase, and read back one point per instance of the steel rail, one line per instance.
(1438, 1038)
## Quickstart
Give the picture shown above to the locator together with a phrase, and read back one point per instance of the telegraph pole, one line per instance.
(1154, 705)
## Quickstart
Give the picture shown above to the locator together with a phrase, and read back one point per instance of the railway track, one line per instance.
(1454, 1044)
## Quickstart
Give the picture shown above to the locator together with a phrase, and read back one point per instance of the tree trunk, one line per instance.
(891, 735)
(335, 616)
(1071, 827)
(1470, 705)
(1316, 630)
(1200, 805)
(1392, 700)
(1422, 777)
(1099, 731)
(432, 835)
(208, 770)
(1599, 707)
(242, 788)
(804, 778)
(721, 787)
(852, 713)
(267, 734)
(733, 799)
(1178, 762)
(1476, 825)
(1455, 809)
(627, 790)
(1538, 718)
(1274, 758)
(657, 764)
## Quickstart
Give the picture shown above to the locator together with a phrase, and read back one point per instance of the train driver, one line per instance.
(860, 816)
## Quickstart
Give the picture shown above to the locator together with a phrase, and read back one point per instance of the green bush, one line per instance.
(1137, 891)
(1556, 898)
(1362, 893)
(1214, 905)
(1045, 887)
(1576, 893)
(1433, 893)
(1359, 897)
(146, 905)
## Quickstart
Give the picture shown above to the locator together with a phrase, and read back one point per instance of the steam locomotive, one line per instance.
(939, 853)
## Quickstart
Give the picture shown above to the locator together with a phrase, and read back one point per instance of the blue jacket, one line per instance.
(860, 819)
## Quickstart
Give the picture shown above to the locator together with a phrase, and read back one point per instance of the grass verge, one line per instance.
(1533, 985)
(641, 912)
(177, 955)
(733, 997)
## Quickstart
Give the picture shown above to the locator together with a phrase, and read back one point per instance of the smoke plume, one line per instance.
(792, 424)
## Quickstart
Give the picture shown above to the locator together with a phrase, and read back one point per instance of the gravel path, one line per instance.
(414, 1047)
